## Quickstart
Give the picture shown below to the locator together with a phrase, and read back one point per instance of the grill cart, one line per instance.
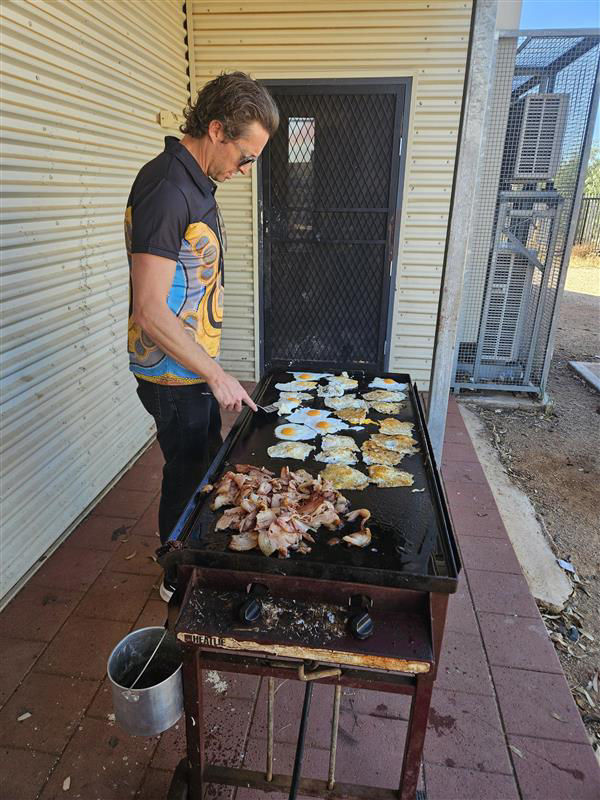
(371, 618)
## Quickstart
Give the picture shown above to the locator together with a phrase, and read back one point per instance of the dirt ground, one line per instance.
(555, 458)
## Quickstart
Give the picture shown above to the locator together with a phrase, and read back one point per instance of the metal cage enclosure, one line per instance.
(536, 136)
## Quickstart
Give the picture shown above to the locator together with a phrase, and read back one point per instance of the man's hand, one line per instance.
(229, 392)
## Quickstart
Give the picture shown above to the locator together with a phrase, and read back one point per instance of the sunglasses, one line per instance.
(244, 159)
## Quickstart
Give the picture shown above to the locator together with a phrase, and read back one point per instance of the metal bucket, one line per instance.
(156, 701)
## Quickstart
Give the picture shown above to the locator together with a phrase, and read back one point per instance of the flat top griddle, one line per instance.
(412, 540)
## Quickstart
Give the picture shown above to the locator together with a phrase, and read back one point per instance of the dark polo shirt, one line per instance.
(172, 212)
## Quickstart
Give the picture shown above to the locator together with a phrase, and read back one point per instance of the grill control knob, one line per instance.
(360, 623)
(361, 626)
(252, 608)
(250, 611)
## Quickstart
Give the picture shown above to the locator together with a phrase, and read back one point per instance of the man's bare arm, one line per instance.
(152, 277)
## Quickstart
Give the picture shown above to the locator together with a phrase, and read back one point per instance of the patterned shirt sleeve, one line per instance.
(159, 221)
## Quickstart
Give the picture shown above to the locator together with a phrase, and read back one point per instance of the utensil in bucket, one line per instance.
(145, 674)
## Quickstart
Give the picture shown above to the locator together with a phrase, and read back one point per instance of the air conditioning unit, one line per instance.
(543, 118)
(508, 299)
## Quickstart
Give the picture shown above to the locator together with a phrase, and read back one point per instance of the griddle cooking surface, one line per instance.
(411, 541)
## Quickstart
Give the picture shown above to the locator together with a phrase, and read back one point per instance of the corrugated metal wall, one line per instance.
(350, 38)
(83, 82)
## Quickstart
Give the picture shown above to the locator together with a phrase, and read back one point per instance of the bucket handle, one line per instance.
(147, 664)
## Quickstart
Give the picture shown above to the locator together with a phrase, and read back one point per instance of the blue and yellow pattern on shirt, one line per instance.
(195, 297)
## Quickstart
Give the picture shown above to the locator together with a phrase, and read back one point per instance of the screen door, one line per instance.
(329, 206)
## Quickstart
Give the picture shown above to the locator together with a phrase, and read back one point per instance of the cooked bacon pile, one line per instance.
(276, 513)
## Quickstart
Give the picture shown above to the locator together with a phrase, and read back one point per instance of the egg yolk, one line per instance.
(388, 380)
(288, 431)
(305, 376)
(293, 399)
(313, 414)
(323, 424)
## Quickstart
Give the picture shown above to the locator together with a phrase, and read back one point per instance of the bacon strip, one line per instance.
(277, 513)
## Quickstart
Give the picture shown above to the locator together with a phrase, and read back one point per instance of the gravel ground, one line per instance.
(555, 458)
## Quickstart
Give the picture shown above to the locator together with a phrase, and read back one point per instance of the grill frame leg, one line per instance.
(270, 724)
(415, 738)
(337, 697)
(194, 721)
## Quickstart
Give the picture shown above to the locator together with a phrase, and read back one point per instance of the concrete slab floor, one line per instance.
(589, 371)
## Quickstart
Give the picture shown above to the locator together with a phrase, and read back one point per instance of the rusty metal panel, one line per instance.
(426, 40)
(82, 93)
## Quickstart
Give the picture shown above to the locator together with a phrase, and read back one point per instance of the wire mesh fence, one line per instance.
(535, 134)
(587, 233)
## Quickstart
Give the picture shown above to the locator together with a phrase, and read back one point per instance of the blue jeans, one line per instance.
(188, 425)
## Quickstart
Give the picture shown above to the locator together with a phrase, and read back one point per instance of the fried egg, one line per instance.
(286, 407)
(307, 415)
(344, 477)
(386, 477)
(391, 426)
(386, 408)
(324, 426)
(388, 383)
(296, 450)
(336, 455)
(374, 454)
(296, 386)
(331, 390)
(384, 396)
(349, 401)
(399, 442)
(300, 396)
(294, 433)
(344, 380)
(310, 376)
(352, 415)
(345, 442)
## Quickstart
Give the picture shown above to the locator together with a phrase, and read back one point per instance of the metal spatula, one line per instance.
(268, 409)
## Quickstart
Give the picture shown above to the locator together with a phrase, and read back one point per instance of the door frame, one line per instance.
(395, 202)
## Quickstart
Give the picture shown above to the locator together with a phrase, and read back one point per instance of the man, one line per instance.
(175, 243)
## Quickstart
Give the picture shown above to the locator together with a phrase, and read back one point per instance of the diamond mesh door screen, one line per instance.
(539, 117)
(330, 185)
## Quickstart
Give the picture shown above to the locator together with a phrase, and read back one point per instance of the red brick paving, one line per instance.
(555, 770)
(519, 642)
(100, 533)
(155, 785)
(147, 525)
(501, 593)
(81, 647)
(481, 553)
(24, 772)
(463, 665)
(71, 569)
(38, 612)
(56, 704)
(537, 704)
(136, 556)
(499, 681)
(449, 783)
(117, 596)
(18, 657)
(465, 731)
(103, 764)
(124, 503)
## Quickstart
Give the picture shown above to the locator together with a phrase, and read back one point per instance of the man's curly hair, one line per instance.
(234, 99)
